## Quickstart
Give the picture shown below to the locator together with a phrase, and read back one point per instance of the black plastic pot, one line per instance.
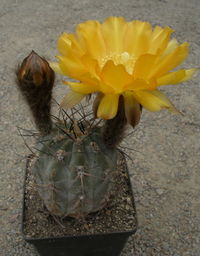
(86, 245)
(105, 244)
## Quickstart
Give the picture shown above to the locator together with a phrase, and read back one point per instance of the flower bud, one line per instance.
(36, 70)
(35, 79)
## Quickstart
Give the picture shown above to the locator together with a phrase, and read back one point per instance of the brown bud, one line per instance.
(35, 69)
(35, 79)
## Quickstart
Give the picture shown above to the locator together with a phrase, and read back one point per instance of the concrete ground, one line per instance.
(165, 168)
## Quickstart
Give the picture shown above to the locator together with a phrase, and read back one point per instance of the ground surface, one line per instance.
(165, 168)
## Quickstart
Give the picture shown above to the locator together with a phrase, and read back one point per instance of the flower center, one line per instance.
(123, 58)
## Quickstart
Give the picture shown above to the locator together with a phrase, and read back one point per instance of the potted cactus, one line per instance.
(75, 169)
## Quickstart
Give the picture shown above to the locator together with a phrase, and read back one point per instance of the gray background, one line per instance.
(165, 168)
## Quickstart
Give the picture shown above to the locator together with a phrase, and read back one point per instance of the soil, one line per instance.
(118, 216)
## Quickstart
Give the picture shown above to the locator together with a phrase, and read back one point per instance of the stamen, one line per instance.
(123, 58)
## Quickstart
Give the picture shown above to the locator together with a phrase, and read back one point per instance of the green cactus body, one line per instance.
(74, 176)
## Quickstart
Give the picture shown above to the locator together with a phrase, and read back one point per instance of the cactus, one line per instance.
(75, 176)
(76, 161)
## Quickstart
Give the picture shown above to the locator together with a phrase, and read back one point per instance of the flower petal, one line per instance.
(71, 66)
(154, 100)
(188, 74)
(172, 45)
(89, 79)
(115, 76)
(68, 43)
(132, 109)
(71, 99)
(170, 61)
(96, 103)
(56, 67)
(144, 65)
(108, 106)
(137, 84)
(137, 37)
(82, 88)
(64, 44)
(176, 77)
(159, 39)
(113, 30)
(90, 34)
(91, 65)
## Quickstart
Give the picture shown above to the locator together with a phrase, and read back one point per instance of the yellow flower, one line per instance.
(120, 58)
